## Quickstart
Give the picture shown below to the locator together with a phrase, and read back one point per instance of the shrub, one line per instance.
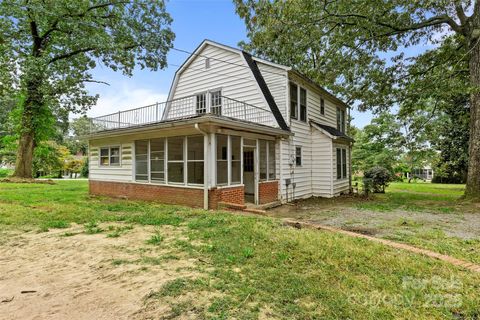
(376, 179)
(84, 169)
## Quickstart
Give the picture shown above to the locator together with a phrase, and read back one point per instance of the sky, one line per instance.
(193, 21)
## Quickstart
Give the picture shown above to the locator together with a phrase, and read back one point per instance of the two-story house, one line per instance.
(235, 129)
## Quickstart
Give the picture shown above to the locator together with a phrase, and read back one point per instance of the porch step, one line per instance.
(234, 206)
(256, 211)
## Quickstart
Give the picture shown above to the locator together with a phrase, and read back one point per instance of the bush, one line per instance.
(5, 172)
(84, 169)
(376, 179)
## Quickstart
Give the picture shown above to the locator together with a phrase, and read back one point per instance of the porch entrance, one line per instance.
(249, 181)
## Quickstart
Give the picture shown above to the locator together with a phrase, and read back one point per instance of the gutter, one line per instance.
(205, 166)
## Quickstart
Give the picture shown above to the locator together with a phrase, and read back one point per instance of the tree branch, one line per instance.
(71, 54)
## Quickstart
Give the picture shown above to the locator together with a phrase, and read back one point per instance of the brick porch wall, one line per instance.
(235, 194)
(267, 191)
(165, 194)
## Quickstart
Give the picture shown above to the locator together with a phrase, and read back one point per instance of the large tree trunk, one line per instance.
(23, 165)
(473, 179)
(26, 143)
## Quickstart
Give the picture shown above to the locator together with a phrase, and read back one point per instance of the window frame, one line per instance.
(301, 106)
(293, 116)
(322, 106)
(188, 161)
(341, 163)
(109, 148)
(297, 164)
(214, 107)
(202, 110)
(341, 122)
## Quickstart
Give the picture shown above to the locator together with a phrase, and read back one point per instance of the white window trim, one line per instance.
(187, 161)
(299, 87)
(229, 161)
(109, 156)
(343, 175)
(301, 156)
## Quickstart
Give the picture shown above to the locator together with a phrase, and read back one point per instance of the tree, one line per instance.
(355, 48)
(50, 158)
(51, 47)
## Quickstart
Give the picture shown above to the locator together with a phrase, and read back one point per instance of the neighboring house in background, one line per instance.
(425, 173)
(235, 129)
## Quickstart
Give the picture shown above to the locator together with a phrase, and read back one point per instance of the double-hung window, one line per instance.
(110, 156)
(293, 101)
(303, 105)
(341, 163)
(340, 119)
(298, 156)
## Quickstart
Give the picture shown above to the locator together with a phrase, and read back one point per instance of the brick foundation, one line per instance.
(166, 194)
(235, 195)
(267, 191)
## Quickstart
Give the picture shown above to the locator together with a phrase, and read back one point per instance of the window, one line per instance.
(110, 156)
(236, 160)
(207, 63)
(293, 100)
(267, 160)
(201, 103)
(175, 160)
(271, 160)
(322, 106)
(141, 160)
(157, 160)
(195, 160)
(303, 105)
(341, 163)
(298, 156)
(263, 159)
(340, 120)
(216, 103)
(222, 159)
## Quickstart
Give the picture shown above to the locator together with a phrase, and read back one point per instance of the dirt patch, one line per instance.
(23, 180)
(335, 213)
(86, 276)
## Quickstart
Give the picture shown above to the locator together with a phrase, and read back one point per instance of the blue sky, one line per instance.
(193, 21)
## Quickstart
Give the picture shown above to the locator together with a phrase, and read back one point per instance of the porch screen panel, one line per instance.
(236, 160)
(157, 160)
(222, 159)
(141, 160)
(195, 160)
(271, 160)
(175, 160)
(263, 159)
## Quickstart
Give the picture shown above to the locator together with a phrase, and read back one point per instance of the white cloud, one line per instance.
(123, 97)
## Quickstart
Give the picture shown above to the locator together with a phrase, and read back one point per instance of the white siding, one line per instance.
(228, 71)
(276, 80)
(322, 164)
(111, 173)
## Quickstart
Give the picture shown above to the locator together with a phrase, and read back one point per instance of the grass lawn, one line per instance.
(235, 266)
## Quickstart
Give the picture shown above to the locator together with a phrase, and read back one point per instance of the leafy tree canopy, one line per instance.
(50, 47)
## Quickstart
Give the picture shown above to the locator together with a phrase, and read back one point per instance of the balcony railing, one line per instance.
(183, 108)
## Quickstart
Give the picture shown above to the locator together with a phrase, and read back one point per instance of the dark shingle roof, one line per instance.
(332, 131)
(266, 92)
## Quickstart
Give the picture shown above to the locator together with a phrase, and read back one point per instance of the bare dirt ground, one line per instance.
(341, 214)
(76, 277)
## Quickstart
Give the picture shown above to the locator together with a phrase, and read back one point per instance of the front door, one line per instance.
(249, 173)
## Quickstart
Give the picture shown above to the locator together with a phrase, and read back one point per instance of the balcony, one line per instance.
(184, 108)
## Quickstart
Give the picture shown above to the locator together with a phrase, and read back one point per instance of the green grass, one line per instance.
(253, 266)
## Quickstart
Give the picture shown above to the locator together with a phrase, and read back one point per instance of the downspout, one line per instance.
(205, 165)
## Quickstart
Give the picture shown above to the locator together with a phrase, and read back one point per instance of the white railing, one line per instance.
(183, 108)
